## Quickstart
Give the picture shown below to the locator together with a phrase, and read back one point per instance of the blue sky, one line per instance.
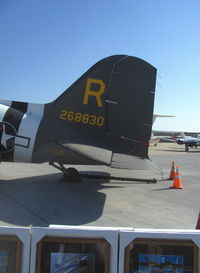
(46, 45)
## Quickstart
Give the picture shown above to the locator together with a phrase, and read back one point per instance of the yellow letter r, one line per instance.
(97, 94)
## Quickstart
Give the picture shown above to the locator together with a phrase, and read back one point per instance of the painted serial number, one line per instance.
(82, 118)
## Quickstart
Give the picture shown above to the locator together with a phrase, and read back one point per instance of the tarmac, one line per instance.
(36, 194)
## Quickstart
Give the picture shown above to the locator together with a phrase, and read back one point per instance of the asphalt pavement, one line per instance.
(36, 194)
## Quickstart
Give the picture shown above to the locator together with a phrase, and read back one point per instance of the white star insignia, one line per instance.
(4, 138)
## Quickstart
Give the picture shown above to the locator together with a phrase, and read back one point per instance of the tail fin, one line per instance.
(112, 102)
(161, 116)
(183, 135)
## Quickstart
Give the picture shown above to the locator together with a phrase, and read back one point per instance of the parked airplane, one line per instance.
(105, 117)
(156, 138)
(188, 141)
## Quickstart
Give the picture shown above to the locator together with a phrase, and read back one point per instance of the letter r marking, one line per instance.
(97, 94)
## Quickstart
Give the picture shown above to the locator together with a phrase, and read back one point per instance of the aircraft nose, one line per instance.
(179, 141)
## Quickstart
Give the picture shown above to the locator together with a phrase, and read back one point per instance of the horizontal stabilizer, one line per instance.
(95, 154)
(106, 157)
(130, 162)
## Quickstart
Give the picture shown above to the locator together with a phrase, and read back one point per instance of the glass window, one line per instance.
(161, 256)
(61, 255)
(10, 254)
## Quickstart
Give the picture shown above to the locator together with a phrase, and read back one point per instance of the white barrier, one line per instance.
(118, 248)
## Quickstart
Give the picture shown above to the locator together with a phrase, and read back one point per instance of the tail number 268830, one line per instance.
(82, 118)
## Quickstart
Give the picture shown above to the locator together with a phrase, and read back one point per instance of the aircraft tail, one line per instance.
(110, 106)
(183, 135)
(161, 116)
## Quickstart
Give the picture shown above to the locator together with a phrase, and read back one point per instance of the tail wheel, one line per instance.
(72, 175)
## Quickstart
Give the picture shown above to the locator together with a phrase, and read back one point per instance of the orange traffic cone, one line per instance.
(177, 180)
(171, 176)
(198, 222)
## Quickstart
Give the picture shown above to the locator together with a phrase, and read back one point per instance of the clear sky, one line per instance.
(45, 45)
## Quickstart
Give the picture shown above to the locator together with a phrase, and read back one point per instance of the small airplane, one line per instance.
(189, 141)
(157, 138)
(104, 118)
